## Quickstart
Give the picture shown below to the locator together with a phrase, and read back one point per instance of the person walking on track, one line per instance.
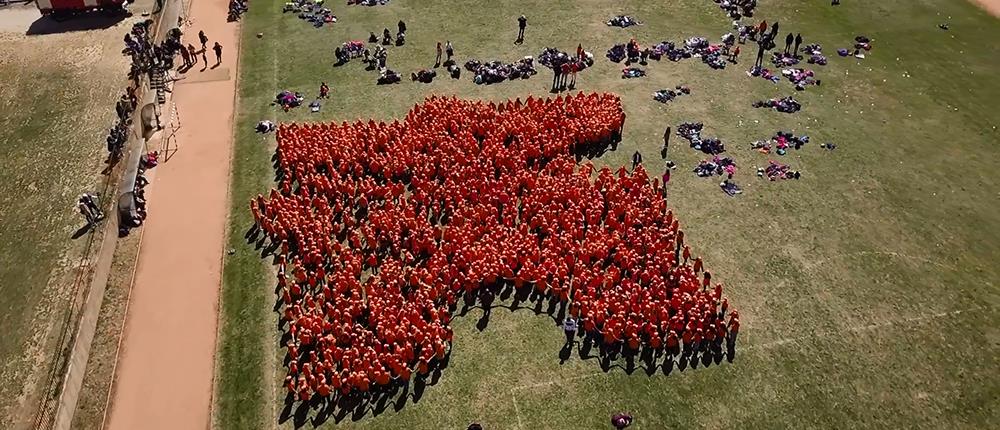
(218, 53)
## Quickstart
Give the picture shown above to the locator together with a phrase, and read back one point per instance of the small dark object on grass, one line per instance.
(943, 26)
(621, 420)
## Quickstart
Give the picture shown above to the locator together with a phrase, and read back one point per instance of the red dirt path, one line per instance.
(165, 372)
(991, 6)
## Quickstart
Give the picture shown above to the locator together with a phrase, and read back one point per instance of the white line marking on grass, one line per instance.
(517, 410)
(882, 253)
(555, 381)
(920, 319)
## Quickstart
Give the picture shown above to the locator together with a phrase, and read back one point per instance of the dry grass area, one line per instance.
(90, 411)
(57, 95)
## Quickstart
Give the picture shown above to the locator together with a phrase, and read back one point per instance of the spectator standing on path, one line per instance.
(194, 54)
(204, 59)
(186, 56)
(437, 59)
(522, 22)
(449, 50)
(218, 53)
(203, 39)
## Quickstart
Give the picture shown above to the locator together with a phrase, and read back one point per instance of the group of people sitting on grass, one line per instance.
(381, 230)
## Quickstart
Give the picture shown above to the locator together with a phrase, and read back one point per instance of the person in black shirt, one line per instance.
(522, 22)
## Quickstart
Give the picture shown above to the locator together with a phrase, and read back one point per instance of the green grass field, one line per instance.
(57, 96)
(867, 289)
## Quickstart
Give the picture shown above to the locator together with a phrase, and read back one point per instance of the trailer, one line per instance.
(67, 8)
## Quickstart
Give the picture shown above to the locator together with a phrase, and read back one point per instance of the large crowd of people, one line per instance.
(381, 230)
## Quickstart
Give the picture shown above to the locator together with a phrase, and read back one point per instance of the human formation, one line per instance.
(381, 230)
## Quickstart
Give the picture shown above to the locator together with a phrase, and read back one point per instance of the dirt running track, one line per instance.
(165, 372)
(991, 6)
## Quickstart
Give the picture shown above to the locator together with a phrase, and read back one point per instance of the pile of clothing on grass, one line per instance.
(692, 132)
(453, 69)
(737, 9)
(764, 73)
(632, 72)
(780, 143)
(387, 76)
(423, 75)
(552, 58)
(815, 52)
(861, 43)
(664, 96)
(801, 78)
(616, 53)
(716, 166)
(311, 11)
(630, 52)
(287, 99)
(775, 171)
(729, 187)
(784, 104)
(496, 71)
(349, 50)
(623, 21)
(784, 59)
(698, 47)
(667, 49)
(368, 2)
(265, 126)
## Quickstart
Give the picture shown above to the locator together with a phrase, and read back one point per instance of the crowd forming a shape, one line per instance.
(380, 229)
